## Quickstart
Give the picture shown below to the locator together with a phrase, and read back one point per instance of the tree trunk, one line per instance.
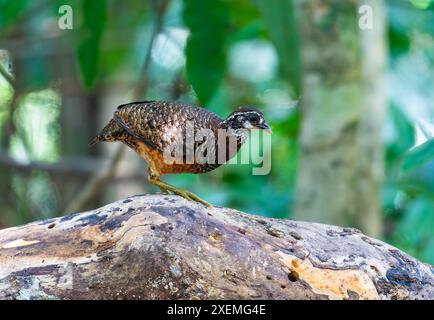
(164, 247)
(343, 105)
(370, 159)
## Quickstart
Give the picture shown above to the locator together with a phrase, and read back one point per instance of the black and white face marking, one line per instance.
(246, 119)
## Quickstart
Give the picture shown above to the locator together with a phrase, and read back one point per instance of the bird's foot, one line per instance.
(191, 196)
(166, 188)
(164, 191)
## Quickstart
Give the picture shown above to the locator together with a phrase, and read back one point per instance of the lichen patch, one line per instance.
(19, 243)
(334, 283)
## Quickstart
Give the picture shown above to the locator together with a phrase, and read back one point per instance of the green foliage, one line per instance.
(418, 156)
(130, 15)
(11, 10)
(407, 193)
(279, 17)
(246, 21)
(208, 22)
(404, 133)
(415, 229)
(399, 42)
(88, 52)
(422, 4)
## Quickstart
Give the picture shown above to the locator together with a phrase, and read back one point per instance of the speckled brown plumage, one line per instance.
(151, 127)
(158, 123)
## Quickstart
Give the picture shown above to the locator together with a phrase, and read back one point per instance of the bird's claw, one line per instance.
(167, 188)
(191, 197)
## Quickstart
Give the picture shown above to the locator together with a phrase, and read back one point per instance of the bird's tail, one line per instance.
(95, 140)
(111, 132)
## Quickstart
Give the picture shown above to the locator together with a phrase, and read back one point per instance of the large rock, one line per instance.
(164, 247)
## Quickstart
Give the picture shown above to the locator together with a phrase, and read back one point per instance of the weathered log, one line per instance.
(163, 247)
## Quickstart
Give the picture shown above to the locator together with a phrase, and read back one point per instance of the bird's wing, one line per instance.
(139, 120)
(159, 124)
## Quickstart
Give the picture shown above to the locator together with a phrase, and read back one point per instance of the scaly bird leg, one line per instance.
(164, 187)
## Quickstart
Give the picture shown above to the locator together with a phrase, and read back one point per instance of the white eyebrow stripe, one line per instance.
(244, 113)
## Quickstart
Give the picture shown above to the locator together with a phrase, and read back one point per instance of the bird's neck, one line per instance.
(240, 133)
(239, 136)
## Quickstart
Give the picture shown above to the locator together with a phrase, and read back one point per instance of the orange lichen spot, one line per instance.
(336, 284)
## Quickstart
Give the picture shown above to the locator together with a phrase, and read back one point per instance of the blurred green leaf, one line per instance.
(88, 52)
(422, 4)
(11, 10)
(279, 17)
(418, 156)
(290, 126)
(404, 131)
(206, 46)
(112, 60)
(88, 59)
(245, 21)
(416, 226)
(131, 17)
(243, 12)
(399, 41)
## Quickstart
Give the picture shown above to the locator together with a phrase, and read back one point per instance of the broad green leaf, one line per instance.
(246, 21)
(280, 19)
(11, 10)
(130, 16)
(88, 59)
(88, 52)
(415, 227)
(399, 41)
(404, 131)
(206, 46)
(418, 156)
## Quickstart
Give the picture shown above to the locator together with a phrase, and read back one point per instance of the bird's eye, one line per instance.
(253, 118)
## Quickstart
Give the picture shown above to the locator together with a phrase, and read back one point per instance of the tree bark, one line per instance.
(343, 106)
(164, 247)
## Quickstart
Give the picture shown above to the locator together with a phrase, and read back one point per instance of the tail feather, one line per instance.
(94, 141)
(111, 132)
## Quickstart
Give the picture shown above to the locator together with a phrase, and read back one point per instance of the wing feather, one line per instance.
(160, 123)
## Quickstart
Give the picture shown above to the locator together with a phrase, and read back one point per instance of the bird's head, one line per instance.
(245, 119)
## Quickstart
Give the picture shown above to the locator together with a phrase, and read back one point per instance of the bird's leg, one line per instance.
(155, 180)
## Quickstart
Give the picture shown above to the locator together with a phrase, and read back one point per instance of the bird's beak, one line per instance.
(264, 126)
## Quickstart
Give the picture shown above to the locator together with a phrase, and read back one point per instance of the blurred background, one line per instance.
(345, 85)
